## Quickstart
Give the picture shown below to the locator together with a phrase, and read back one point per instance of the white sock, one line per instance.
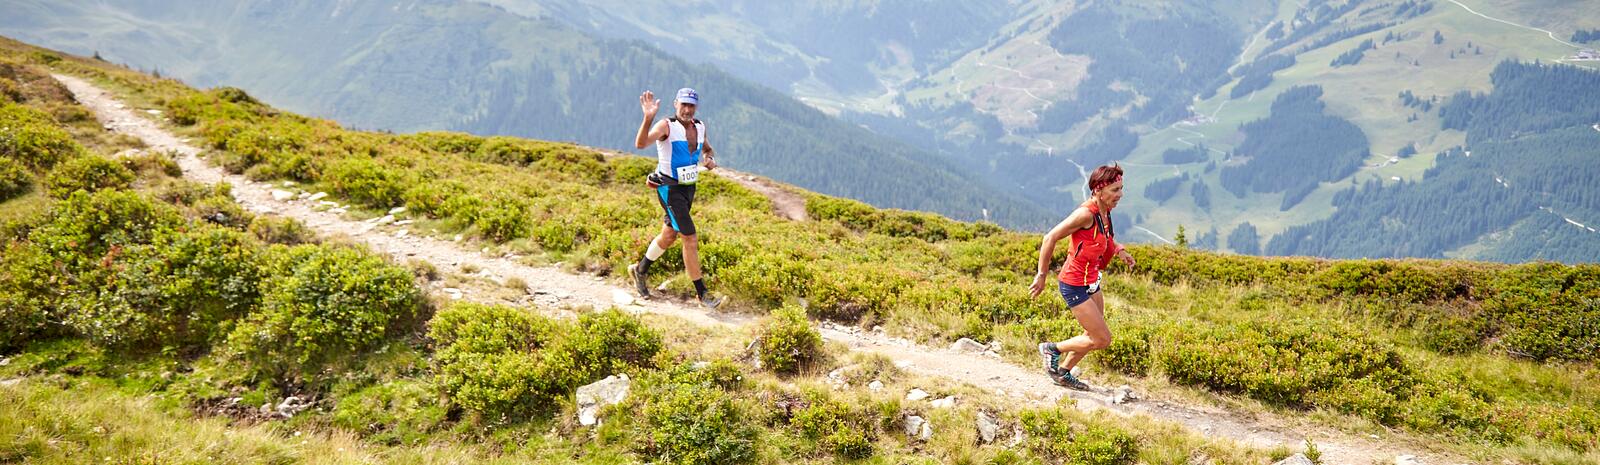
(654, 251)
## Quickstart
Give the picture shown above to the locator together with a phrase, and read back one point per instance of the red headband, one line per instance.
(1096, 186)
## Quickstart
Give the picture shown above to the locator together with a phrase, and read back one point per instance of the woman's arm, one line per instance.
(1047, 248)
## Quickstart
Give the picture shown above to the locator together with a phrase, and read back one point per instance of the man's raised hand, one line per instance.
(648, 103)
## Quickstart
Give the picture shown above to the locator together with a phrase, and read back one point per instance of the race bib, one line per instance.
(688, 174)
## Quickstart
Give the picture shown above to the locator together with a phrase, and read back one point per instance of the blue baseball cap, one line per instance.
(689, 96)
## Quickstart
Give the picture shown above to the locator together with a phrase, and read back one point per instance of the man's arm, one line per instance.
(647, 134)
(710, 154)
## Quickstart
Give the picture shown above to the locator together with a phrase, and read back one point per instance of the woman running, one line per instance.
(1092, 248)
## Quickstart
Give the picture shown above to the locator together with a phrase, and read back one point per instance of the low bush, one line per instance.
(1050, 434)
(697, 424)
(319, 303)
(88, 174)
(788, 342)
(177, 292)
(15, 179)
(32, 138)
(504, 365)
(836, 427)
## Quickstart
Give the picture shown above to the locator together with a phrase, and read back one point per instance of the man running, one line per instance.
(680, 142)
(1092, 248)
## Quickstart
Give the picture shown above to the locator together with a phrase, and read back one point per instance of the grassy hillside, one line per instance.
(146, 318)
(465, 66)
(1489, 361)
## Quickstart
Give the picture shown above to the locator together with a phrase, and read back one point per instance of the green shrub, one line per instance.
(457, 143)
(605, 343)
(286, 231)
(835, 426)
(429, 197)
(505, 364)
(178, 291)
(400, 412)
(10, 93)
(1129, 351)
(1548, 311)
(15, 179)
(788, 343)
(89, 174)
(697, 424)
(577, 163)
(503, 218)
(1052, 435)
(85, 227)
(509, 151)
(28, 295)
(152, 164)
(475, 328)
(223, 211)
(1282, 364)
(367, 182)
(33, 138)
(319, 303)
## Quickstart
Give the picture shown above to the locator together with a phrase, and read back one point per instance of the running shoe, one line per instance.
(712, 302)
(1068, 381)
(1051, 357)
(639, 282)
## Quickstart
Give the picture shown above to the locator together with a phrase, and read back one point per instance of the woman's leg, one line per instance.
(1096, 336)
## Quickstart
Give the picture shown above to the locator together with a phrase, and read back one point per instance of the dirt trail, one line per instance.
(785, 203)
(1025, 384)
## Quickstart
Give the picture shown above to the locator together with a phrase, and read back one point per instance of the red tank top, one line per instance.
(1091, 249)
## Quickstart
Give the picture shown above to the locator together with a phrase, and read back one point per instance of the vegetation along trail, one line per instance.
(983, 370)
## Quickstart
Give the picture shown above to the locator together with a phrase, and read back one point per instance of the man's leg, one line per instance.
(691, 256)
(691, 263)
(641, 270)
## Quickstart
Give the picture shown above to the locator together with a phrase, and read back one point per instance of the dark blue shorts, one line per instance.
(1075, 295)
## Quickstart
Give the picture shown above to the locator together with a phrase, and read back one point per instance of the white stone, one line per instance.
(1296, 459)
(916, 394)
(967, 346)
(386, 219)
(404, 222)
(338, 211)
(288, 184)
(318, 196)
(397, 210)
(946, 402)
(621, 298)
(917, 427)
(303, 196)
(609, 391)
(401, 233)
(291, 406)
(988, 427)
(281, 195)
(456, 239)
(1123, 394)
(875, 386)
(1406, 460)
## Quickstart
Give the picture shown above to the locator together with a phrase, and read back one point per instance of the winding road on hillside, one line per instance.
(1498, 20)
(552, 288)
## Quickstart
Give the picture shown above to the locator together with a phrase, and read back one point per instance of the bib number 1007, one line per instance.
(688, 174)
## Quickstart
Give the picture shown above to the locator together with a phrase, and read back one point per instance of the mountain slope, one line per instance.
(463, 66)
